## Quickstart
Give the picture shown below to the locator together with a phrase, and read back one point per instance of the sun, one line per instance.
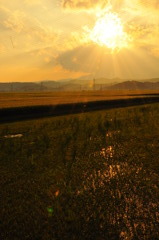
(109, 31)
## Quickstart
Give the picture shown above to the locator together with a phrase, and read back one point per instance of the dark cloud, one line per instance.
(100, 62)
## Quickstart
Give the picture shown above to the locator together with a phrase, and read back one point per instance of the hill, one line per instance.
(21, 87)
(80, 85)
(135, 85)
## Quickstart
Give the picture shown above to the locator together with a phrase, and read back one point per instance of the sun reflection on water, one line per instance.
(107, 152)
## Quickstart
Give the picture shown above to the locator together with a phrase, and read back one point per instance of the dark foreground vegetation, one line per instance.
(82, 177)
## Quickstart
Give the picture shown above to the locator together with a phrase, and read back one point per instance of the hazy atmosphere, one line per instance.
(53, 39)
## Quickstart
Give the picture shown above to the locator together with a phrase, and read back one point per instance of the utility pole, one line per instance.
(94, 84)
(41, 86)
(11, 87)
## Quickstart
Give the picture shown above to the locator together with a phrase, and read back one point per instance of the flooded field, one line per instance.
(89, 176)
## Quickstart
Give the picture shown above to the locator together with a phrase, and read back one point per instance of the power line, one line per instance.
(35, 43)
(12, 41)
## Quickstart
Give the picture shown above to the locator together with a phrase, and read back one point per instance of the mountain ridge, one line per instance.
(80, 85)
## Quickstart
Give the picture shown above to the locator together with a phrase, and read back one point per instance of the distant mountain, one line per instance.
(150, 80)
(79, 85)
(135, 85)
(21, 87)
(49, 85)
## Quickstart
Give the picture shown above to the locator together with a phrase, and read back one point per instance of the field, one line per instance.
(81, 177)
(24, 106)
(54, 98)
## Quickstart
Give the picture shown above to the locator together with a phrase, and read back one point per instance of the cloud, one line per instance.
(135, 3)
(80, 58)
(26, 31)
(4, 14)
(42, 34)
(15, 21)
(140, 17)
(87, 4)
(155, 52)
(33, 2)
(149, 3)
(2, 48)
(43, 55)
(34, 73)
(142, 9)
(12, 20)
(98, 61)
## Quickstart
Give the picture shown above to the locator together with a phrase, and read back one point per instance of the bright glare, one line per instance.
(108, 31)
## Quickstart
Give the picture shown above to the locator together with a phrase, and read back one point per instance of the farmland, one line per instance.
(84, 176)
(12, 99)
(17, 106)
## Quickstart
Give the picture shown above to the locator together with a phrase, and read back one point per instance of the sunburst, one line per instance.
(109, 31)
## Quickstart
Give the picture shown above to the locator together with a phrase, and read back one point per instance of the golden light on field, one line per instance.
(109, 31)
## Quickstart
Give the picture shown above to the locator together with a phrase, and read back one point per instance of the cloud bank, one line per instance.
(87, 4)
(99, 62)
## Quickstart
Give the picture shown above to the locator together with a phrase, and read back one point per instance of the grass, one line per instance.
(87, 176)
(54, 98)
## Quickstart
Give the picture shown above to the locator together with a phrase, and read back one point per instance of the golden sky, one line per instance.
(59, 39)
